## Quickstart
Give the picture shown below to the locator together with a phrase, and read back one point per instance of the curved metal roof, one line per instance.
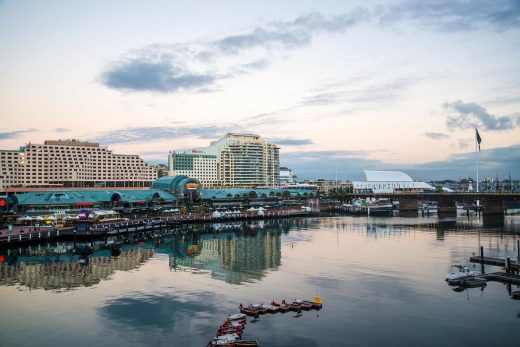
(71, 197)
(168, 183)
(387, 176)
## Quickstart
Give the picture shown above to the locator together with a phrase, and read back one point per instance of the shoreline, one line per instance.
(23, 234)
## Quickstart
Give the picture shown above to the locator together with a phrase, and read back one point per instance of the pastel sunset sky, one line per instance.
(340, 86)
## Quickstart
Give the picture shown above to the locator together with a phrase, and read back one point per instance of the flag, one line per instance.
(479, 139)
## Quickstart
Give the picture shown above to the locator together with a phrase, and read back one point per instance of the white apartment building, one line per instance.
(286, 176)
(194, 164)
(237, 160)
(72, 163)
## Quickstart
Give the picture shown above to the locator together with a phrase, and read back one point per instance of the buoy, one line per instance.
(317, 299)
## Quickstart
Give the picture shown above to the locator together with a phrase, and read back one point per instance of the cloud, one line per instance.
(157, 76)
(449, 15)
(291, 142)
(350, 164)
(14, 134)
(436, 136)
(199, 65)
(359, 91)
(492, 162)
(61, 130)
(471, 115)
(326, 164)
(195, 65)
(144, 134)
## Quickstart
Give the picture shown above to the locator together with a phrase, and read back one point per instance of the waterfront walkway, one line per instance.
(29, 234)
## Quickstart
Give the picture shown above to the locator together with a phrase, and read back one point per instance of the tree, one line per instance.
(252, 195)
(229, 196)
(263, 196)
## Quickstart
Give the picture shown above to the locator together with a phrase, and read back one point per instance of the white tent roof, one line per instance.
(387, 176)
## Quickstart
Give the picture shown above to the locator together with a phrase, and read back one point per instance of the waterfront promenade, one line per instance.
(30, 233)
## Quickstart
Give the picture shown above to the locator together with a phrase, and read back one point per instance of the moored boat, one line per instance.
(282, 307)
(245, 343)
(457, 272)
(237, 316)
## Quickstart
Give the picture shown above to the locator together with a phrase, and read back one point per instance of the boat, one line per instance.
(227, 331)
(314, 304)
(380, 207)
(376, 207)
(234, 324)
(245, 343)
(224, 340)
(457, 272)
(299, 304)
(237, 316)
(282, 307)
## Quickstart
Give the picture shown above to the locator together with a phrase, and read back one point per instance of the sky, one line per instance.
(340, 86)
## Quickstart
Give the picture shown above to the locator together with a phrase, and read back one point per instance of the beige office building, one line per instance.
(74, 164)
(237, 160)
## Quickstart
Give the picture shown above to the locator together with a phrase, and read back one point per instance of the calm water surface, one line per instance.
(381, 281)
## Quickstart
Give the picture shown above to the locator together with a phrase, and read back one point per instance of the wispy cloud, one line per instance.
(470, 115)
(449, 15)
(144, 134)
(436, 136)
(197, 65)
(350, 164)
(291, 142)
(7, 135)
(61, 130)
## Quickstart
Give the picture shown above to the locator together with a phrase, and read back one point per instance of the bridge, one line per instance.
(490, 203)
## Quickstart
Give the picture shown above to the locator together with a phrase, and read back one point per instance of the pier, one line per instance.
(92, 230)
(489, 204)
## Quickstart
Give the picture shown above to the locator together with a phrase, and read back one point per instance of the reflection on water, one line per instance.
(59, 273)
(232, 252)
(176, 287)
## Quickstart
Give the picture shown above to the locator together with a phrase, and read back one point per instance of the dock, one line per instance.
(494, 261)
(31, 234)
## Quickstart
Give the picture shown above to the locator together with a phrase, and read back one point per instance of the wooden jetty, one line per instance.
(28, 234)
(501, 277)
(511, 266)
(494, 261)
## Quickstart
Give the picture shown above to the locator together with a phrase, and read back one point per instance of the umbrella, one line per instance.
(39, 218)
(26, 218)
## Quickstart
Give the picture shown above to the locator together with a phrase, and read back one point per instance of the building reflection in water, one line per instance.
(233, 252)
(70, 274)
(235, 257)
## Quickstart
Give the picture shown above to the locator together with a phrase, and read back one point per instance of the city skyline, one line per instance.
(339, 87)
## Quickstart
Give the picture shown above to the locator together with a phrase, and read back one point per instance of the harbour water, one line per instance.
(381, 280)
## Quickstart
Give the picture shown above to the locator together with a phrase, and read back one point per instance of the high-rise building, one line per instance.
(72, 163)
(286, 176)
(237, 160)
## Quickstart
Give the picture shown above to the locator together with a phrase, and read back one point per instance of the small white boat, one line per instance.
(457, 272)
(237, 316)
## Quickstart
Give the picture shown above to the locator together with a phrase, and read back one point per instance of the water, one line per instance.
(381, 281)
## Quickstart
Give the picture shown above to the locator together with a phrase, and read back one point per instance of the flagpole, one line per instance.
(476, 155)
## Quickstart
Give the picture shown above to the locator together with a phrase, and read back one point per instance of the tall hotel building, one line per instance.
(74, 164)
(237, 160)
